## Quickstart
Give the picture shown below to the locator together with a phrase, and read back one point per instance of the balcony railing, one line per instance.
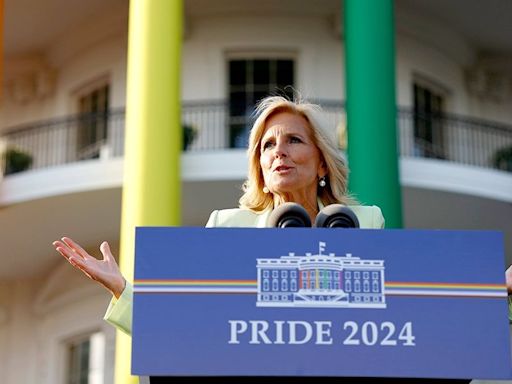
(457, 139)
(100, 136)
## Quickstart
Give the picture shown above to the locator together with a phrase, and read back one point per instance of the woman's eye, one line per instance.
(267, 145)
(295, 139)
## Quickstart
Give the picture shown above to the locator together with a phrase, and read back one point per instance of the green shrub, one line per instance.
(502, 159)
(189, 135)
(16, 161)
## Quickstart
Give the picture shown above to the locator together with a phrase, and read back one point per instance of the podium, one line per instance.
(307, 303)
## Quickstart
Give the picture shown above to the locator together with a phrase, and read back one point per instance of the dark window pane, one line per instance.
(84, 362)
(250, 81)
(94, 101)
(281, 91)
(284, 72)
(428, 102)
(237, 72)
(428, 124)
(416, 100)
(261, 71)
(93, 127)
(288, 92)
(260, 95)
(106, 92)
(79, 362)
(237, 104)
(437, 105)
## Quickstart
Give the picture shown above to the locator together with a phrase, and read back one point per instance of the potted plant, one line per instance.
(189, 135)
(16, 160)
(502, 159)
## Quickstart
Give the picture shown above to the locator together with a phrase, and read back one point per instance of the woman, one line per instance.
(292, 158)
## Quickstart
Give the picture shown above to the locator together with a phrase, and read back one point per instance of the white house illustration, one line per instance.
(320, 280)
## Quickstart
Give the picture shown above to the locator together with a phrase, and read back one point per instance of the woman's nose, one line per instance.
(280, 150)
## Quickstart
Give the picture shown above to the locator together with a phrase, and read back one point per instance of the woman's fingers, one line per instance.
(75, 259)
(63, 249)
(108, 257)
(70, 255)
(116, 283)
(106, 252)
(75, 247)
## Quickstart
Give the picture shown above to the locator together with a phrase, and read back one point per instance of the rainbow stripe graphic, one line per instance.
(195, 286)
(251, 287)
(445, 289)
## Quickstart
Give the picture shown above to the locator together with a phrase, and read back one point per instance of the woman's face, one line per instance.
(289, 159)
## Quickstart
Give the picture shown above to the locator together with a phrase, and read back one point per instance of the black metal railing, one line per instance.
(456, 139)
(65, 140)
(206, 125)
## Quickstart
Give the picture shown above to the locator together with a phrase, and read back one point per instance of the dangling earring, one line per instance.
(265, 189)
(321, 182)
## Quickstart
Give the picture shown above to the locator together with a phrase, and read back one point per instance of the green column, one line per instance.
(371, 106)
(151, 187)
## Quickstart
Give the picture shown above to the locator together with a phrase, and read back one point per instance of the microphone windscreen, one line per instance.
(336, 216)
(289, 215)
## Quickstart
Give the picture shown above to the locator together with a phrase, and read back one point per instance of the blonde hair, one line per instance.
(337, 172)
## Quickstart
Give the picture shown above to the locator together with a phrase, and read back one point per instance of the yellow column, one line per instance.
(151, 188)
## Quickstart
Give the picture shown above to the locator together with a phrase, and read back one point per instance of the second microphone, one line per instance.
(293, 215)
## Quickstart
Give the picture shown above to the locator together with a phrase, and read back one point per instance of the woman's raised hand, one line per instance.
(106, 271)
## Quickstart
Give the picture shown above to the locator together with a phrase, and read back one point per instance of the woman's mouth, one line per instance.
(282, 169)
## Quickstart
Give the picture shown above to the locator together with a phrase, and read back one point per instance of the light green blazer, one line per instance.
(119, 312)
(368, 216)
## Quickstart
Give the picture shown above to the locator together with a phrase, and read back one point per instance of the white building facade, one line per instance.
(62, 110)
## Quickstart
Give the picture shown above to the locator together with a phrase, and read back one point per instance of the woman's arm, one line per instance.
(119, 311)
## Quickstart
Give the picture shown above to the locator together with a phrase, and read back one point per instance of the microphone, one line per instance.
(336, 216)
(289, 215)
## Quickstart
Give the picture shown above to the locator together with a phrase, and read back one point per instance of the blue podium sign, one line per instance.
(320, 302)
